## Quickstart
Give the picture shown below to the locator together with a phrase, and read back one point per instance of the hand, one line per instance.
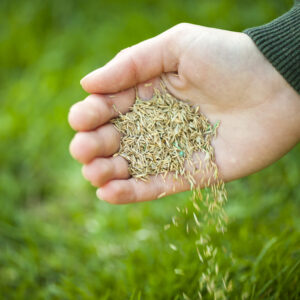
(219, 70)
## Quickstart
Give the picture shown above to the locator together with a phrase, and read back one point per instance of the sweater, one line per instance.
(279, 42)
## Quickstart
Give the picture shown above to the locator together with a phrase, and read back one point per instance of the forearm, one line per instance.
(279, 41)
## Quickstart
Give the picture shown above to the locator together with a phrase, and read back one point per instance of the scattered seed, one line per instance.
(164, 135)
(173, 247)
(167, 226)
(161, 134)
(161, 195)
(178, 272)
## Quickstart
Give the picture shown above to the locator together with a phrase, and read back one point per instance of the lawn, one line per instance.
(57, 241)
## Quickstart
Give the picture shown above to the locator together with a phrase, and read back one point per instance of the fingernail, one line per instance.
(86, 76)
(98, 193)
(89, 75)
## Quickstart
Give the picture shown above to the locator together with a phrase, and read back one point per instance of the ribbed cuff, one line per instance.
(279, 41)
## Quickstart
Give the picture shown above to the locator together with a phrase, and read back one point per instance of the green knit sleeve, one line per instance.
(279, 41)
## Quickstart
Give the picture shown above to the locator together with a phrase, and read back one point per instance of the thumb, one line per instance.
(133, 65)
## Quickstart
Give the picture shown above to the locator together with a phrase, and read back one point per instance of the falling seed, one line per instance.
(178, 272)
(162, 136)
(200, 295)
(167, 226)
(174, 221)
(196, 220)
(185, 297)
(161, 195)
(187, 229)
(199, 255)
(173, 247)
(217, 269)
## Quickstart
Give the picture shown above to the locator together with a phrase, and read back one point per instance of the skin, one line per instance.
(221, 71)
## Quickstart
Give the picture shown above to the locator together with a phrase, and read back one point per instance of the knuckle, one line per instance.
(110, 137)
(175, 35)
(181, 27)
(97, 172)
(118, 192)
(100, 106)
(104, 170)
(122, 169)
(121, 194)
(123, 51)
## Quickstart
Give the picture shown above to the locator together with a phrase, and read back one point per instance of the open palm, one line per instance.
(221, 71)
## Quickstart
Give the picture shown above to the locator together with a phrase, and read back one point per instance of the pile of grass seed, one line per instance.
(162, 135)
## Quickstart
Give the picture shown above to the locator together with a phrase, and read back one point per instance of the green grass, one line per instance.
(57, 241)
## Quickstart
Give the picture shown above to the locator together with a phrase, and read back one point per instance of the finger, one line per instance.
(132, 190)
(97, 109)
(103, 142)
(102, 170)
(135, 64)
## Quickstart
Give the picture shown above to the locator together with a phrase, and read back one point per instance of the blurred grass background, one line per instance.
(57, 241)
